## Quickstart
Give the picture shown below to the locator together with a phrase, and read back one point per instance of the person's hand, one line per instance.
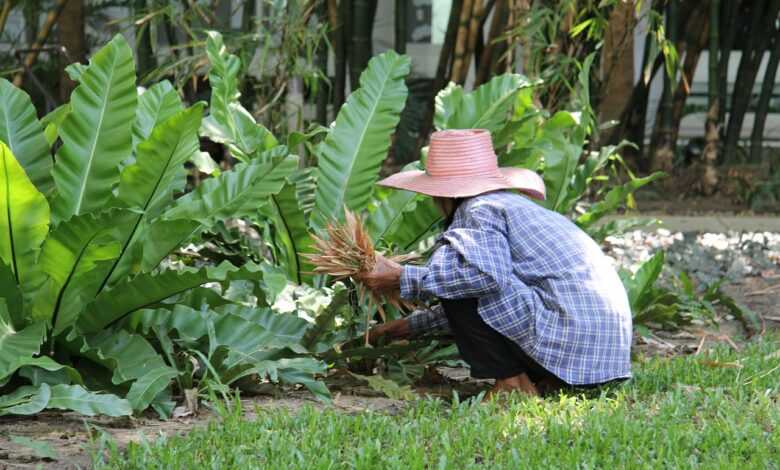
(385, 277)
(395, 329)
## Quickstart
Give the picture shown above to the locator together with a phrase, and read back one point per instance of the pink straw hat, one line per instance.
(462, 163)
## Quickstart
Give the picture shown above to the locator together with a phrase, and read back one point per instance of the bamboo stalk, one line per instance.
(461, 41)
(338, 18)
(767, 87)
(476, 16)
(400, 26)
(497, 24)
(446, 53)
(323, 91)
(43, 35)
(729, 34)
(5, 13)
(709, 177)
(762, 23)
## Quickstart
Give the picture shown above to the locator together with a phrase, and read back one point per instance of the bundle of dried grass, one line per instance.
(348, 251)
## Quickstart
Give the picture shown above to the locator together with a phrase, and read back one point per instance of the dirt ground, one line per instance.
(74, 437)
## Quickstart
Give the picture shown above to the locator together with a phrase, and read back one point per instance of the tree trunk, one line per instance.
(767, 88)
(340, 38)
(40, 40)
(662, 145)
(617, 64)
(400, 26)
(708, 181)
(728, 28)
(360, 53)
(763, 21)
(143, 34)
(248, 13)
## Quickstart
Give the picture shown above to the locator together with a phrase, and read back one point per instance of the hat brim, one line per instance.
(520, 179)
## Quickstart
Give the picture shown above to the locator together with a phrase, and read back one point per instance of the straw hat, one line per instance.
(462, 163)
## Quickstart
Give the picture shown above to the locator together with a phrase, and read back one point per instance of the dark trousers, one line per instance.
(489, 353)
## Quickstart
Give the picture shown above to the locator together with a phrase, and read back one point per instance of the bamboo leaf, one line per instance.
(350, 156)
(97, 133)
(23, 133)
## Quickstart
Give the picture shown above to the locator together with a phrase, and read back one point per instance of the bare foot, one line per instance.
(518, 383)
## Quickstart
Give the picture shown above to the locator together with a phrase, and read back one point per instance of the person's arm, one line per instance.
(474, 261)
(428, 320)
(420, 322)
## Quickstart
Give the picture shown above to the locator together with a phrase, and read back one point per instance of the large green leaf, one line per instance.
(403, 218)
(233, 193)
(160, 237)
(155, 106)
(148, 184)
(24, 218)
(252, 338)
(9, 291)
(614, 198)
(23, 133)
(229, 123)
(132, 359)
(17, 349)
(145, 290)
(560, 162)
(25, 400)
(350, 156)
(76, 257)
(291, 230)
(487, 107)
(77, 398)
(96, 134)
(51, 124)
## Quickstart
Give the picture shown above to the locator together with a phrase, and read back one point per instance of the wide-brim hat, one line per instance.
(462, 163)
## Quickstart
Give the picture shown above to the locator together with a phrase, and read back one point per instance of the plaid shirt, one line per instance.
(540, 280)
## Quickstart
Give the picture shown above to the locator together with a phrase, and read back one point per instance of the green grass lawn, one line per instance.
(717, 410)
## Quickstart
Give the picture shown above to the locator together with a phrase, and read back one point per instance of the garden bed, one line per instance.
(749, 262)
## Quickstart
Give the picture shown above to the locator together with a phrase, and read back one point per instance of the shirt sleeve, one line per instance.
(428, 320)
(473, 261)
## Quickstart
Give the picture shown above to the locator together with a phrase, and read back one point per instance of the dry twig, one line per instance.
(348, 251)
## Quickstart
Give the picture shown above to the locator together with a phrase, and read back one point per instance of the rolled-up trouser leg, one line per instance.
(489, 353)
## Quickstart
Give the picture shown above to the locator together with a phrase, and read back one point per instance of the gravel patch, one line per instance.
(705, 256)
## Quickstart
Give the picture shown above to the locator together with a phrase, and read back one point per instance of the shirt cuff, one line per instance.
(411, 279)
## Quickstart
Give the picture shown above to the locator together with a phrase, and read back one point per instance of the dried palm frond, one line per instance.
(348, 251)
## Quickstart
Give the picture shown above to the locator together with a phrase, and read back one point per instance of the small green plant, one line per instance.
(680, 302)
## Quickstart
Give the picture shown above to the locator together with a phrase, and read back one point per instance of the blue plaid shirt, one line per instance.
(540, 280)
